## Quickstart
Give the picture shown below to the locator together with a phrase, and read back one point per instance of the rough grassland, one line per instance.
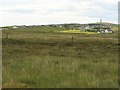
(46, 60)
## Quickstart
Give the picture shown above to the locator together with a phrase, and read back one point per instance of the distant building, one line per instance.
(82, 28)
(60, 26)
(98, 32)
(1, 29)
(87, 27)
(14, 27)
(106, 31)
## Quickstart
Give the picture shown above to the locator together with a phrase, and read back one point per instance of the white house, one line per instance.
(108, 31)
(98, 32)
(60, 26)
(14, 27)
(87, 27)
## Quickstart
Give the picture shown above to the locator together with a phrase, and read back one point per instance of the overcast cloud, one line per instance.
(30, 12)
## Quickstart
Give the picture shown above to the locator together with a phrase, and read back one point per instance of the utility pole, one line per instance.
(100, 24)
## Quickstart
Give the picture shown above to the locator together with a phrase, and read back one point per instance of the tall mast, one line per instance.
(100, 24)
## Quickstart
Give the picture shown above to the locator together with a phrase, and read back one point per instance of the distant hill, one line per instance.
(104, 22)
(70, 26)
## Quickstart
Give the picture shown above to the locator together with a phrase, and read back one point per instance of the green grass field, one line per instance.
(40, 58)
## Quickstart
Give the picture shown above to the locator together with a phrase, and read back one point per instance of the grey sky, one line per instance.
(30, 12)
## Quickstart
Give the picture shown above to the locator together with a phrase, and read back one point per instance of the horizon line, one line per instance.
(51, 24)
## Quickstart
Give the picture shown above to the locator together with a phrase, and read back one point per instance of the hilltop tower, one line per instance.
(100, 24)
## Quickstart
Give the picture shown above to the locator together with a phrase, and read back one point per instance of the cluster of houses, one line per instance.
(7, 28)
(99, 28)
(93, 27)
